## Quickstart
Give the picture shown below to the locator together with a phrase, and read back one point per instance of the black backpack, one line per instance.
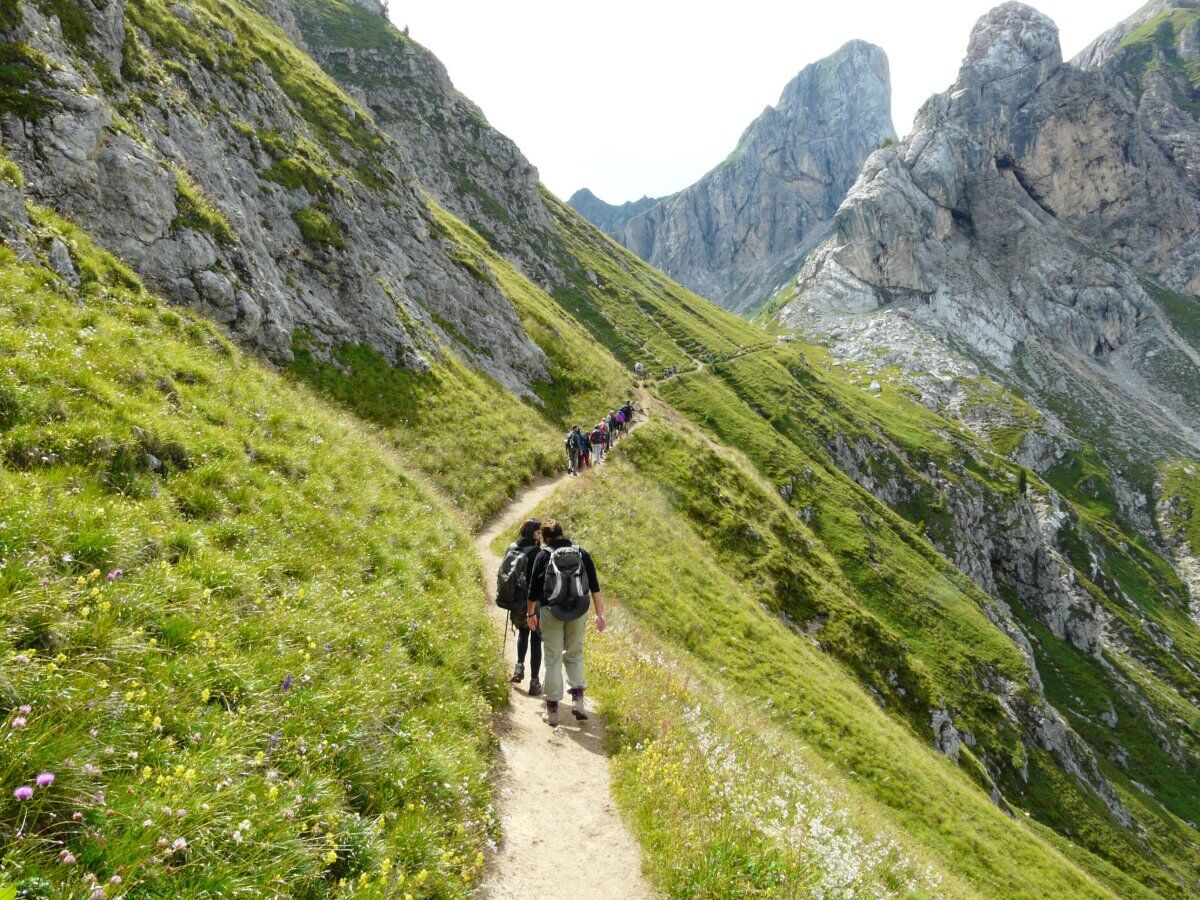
(512, 579)
(566, 589)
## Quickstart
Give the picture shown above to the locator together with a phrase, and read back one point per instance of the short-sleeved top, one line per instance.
(537, 579)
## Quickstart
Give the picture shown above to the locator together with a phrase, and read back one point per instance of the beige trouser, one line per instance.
(562, 643)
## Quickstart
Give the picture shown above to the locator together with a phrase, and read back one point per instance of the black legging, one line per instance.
(535, 652)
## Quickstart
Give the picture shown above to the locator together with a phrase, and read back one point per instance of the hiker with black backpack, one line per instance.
(562, 587)
(512, 594)
(574, 445)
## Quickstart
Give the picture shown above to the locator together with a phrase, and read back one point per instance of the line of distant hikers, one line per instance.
(547, 584)
(584, 449)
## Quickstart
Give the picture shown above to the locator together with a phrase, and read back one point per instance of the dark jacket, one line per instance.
(537, 580)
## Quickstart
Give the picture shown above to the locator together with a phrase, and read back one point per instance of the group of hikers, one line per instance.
(585, 449)
(547, 584)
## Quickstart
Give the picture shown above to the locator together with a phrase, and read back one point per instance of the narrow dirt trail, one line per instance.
(563, 835)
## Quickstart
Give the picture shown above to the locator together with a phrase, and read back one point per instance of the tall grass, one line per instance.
(247, 645)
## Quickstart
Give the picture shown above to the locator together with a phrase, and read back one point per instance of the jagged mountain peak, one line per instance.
(1013, 50)
(744, 228)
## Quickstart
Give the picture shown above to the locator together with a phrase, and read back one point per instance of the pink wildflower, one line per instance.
(18, 722)
(25, 709)
(67, 858)
(45, 779)
(24, 792)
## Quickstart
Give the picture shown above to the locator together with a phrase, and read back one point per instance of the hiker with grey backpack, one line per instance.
(513, 581)
(563, 586)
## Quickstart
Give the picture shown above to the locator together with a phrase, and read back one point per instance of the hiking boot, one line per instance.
(552, 713)
(578, 710)
(535, 687)
(518, 674)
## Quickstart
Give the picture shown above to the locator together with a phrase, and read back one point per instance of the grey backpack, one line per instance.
(566, 589)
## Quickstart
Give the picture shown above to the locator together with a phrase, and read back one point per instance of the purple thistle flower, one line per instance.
(67, 858)
(45, 779)
(115, 574)
(24, 792)
(18, 722)
(287, 683)
(25, 709)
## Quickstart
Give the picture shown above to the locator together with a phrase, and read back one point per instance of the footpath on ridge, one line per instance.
(563, 835)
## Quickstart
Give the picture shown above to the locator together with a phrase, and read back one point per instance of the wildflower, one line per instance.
(18, 722)
(180, 813)
(76, 816)
(116, 879)
(330, 857)
(287, 683)
(22, 658)
(115, 574)
(45, 779)
(97, 894)
(179, 845)
(24, 792)
(25, 710)
(67, 858)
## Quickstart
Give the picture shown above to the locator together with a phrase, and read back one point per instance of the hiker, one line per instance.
(562, 587)
(628, 408)
(621, 420)
(639, 370)
(597, 440)
(574, 444)
(585, 452)
(512, 594)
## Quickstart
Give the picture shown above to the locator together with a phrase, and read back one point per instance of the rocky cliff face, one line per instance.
(197, 142)
(746, 226)
(469, 167)
(1015, 220)
(608, 217)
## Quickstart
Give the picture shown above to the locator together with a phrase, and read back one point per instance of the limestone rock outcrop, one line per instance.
(744, 228)
(238, 180)
(1024, 221)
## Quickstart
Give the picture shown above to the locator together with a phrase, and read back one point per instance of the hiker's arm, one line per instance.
(598, 602)
(536, 590)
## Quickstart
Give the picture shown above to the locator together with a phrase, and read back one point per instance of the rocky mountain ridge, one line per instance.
(610, 218)
(1025, 219)
(310, 224)
(745, 227)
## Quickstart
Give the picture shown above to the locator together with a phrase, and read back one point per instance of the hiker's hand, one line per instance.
(531, 621)
(600, 623)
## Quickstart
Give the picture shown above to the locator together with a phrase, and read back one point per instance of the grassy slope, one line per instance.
(478, 442)
(272, 632)
(702, 654)
(747, 404)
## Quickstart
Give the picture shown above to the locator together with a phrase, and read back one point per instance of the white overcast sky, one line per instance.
(633, 97)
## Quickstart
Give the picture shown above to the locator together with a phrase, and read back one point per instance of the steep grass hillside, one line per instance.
(749, 756)
(243, 649)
